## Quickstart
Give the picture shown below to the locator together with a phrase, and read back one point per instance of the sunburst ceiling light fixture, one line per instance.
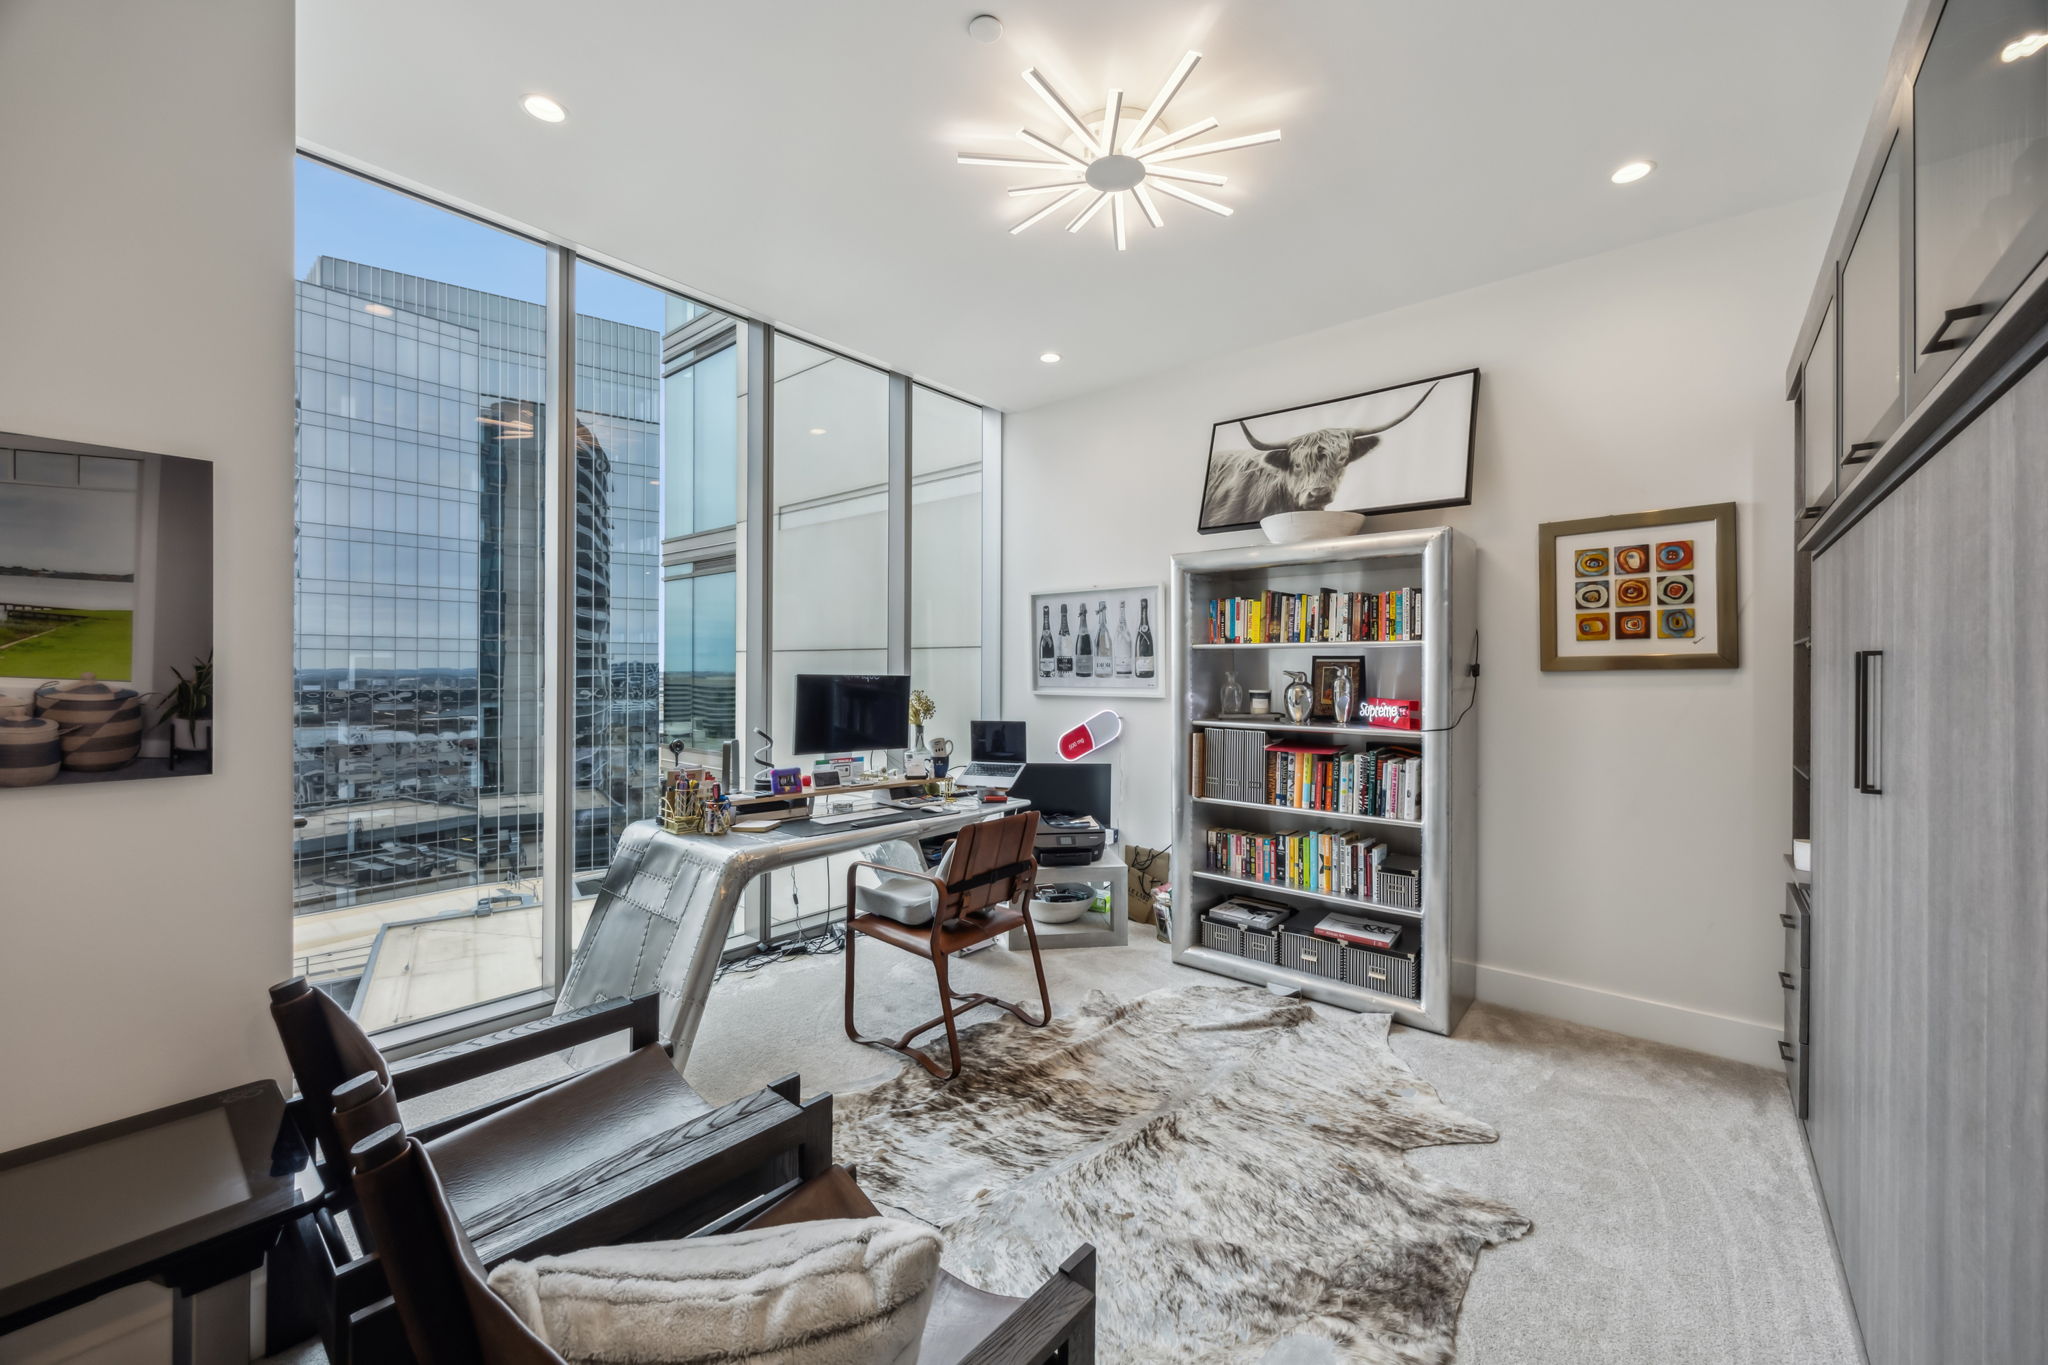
(1107, 164)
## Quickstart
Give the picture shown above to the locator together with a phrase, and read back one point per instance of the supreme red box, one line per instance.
(1391, 713)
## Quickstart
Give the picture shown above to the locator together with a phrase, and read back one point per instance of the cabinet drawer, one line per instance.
(1792, 976)
(1794, 1056)
(1795, 1008)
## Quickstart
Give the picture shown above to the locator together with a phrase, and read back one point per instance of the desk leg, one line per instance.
(211, 1327)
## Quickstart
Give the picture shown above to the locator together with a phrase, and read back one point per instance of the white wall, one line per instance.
(1631, 823)
(146, 151)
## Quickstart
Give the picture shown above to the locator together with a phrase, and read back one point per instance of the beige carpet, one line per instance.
(1676, 1219)
(1675, 1212)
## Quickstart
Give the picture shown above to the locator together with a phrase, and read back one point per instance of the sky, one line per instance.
(341, 215)
(69, 530)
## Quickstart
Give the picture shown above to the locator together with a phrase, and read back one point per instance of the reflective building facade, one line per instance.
(421, 583)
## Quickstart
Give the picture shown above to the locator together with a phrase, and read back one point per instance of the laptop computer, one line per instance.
(996, 754)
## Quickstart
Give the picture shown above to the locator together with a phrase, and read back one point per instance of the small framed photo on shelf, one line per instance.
(1643, 590)
(1098, 642)
(1324, 680)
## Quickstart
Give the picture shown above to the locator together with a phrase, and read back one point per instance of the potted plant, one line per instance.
(918, 762)
(922, 709)
(189, 708)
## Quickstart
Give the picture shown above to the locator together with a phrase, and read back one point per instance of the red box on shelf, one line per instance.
(1391, 713)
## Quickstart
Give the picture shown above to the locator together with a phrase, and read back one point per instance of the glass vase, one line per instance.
(1233, 695)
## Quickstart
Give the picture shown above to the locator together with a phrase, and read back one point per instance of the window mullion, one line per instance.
(900, 529)
(558, 769)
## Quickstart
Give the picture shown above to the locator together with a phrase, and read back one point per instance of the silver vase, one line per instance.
(1342, 703)
(1300, 698)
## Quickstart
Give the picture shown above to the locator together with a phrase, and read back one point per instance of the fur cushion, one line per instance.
(845, 1291)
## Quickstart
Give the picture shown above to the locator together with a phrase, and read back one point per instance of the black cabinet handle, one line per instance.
(1869, 721)
(1941, 340)
(1811, 513)
(1869, 448)
(1785, 980)
(1785, 1049)
(1788, 921)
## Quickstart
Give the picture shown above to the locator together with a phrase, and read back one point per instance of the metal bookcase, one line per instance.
(1438, 669)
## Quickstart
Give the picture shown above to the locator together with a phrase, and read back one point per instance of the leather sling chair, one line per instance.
(609, 1147)
(983, 891)
(452, 1317)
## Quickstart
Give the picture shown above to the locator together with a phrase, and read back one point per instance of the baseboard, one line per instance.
(1742, 1040)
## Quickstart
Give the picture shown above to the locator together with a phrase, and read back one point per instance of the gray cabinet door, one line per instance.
(1929, 1061)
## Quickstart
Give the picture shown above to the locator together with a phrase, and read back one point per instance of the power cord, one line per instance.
(1472, 671)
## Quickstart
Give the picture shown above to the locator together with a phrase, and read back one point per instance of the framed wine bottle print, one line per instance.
(1098, 642)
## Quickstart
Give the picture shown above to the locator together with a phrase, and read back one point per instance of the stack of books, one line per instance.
(1308, 618)
(1352, 865)
(1379, 781)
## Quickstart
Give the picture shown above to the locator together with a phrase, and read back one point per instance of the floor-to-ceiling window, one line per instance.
(657, 460)
(421, 364)
(945, 560)
(433, 767)
(831, 553)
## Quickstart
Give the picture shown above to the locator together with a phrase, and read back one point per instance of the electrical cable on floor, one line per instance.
(829, 941)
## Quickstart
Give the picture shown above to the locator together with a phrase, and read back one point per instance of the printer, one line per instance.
(1067, 840)
(1072, 801)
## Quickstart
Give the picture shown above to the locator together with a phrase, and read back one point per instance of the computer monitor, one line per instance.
(1066, 789)
(996, 741)
(838, 713)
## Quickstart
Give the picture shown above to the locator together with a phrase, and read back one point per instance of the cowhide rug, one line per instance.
(1237, 1159)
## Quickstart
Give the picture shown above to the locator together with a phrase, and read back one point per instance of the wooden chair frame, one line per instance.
(954, 926)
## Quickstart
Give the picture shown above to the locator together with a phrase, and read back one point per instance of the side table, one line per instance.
(1089, 931)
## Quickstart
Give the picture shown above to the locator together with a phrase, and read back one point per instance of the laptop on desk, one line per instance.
(996, 754)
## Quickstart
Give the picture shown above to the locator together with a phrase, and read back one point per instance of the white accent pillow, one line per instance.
(842, 1291)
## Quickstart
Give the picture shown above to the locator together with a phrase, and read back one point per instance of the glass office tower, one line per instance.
(419, 632)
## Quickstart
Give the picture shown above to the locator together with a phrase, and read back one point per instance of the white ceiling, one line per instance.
(795, 157)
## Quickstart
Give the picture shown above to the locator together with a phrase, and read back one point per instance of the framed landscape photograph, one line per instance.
(1642, 590)
(1385, 450)
(1098, 642)
(106, 613)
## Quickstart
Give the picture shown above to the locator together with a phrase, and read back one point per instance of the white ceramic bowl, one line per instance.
(1291, 528)
(1047, 910)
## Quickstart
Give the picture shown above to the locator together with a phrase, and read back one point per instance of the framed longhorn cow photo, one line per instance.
(1386, 450)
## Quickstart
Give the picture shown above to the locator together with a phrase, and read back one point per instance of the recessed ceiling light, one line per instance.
(1114, 159)
(1051, 357)
(543, 108)
(2023, 47)
(985, 28)
(379, 309)
(1632, 172)
(817, 431)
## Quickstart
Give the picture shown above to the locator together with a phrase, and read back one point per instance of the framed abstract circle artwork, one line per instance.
(1670, 573)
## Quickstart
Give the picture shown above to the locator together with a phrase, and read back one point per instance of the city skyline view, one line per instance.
(421, 584)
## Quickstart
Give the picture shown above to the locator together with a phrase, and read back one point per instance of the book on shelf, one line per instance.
(1363, 932)
(1334, 864)
(1326, 616)
(1381, 781)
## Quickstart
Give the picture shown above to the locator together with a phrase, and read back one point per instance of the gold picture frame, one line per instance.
(1643, 590)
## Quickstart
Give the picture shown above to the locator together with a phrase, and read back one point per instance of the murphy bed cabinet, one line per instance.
(1916, 963)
